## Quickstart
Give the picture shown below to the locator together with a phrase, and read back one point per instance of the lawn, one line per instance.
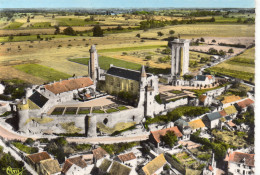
(71, 110)
(30, 38)
(124, 49)
(24, 148)
(84, 111)
(187, 160)
(14, 25)
(242, 66)
(58, 111)
(111, 110)
(98, 111)
(118, 127)
(70, 127)
(43, 72)
(104, 62)
(74, 22)
(121, 108)
(176, 92)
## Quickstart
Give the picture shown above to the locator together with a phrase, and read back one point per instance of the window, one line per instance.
(118, 84)
(132, 86)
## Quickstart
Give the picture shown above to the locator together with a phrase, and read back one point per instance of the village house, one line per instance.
(128, 159)
(98, 154)
(231, 111)
(41, 161)
(196, 125)
(203, 80)
(240, 163)
(230, 100)
(184, 127)
(212, 120)
(113, 168)
(76, 166)
(155, 166)
(243, 105)
(155, 136)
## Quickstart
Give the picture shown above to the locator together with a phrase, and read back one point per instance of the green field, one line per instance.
(74, 22)
(43, 72)
(104, 63)
(14, 25)
(124, 49)
(39, 25)
(30, 38)
(242, 66)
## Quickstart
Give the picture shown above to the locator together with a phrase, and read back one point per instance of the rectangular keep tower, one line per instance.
(180, 57)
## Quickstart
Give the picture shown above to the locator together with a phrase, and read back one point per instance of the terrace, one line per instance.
(107, 104)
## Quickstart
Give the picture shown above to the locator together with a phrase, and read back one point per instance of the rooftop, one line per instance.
(230, 99)
(223, 113)
(245, 103)
(126, 157)
(38, 99)
(196, 124)
(157, 134)
(118, 169)
(51, 166)
(154, 165)
(238, 157)
(230, 110)
(37, 157)
(214, 116)
(76, 160)
(69, 85)
(99, 153)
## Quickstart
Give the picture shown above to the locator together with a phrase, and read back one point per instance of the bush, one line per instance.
(97, 31)
(138, 35)
(158, 99)
(29, 141)
(69, 31)
(160, 34)
(148, 57)
(171, 32)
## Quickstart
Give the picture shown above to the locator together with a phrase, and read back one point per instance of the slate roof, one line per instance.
(38, 99)
(154, 165)
(119, 169)
(200, 78)
(99, 153)
(196, 124)
(214, 116)
(229, 99)
(76, 160)
(245, 103)
(157, 134)
(230, 110)
(125, 73)
(69, 85)
(37, 157)
(126, 157)
(51, 166)
(228, 118)
(238, 157)
(181, 123)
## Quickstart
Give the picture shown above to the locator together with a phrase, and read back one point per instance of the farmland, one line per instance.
(242, 66)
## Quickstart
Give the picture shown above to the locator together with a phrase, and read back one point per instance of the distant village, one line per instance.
(123, 121)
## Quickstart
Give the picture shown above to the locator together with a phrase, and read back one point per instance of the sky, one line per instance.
(127, 3)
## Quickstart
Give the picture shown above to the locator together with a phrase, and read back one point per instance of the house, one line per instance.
(230, 100)
(155, 166)
(113, 168)
(196, 124)
(231, 111)
(49, 167)
(2, 88)
(212, 120)
(155, 136)
(76, 166)
(99, 154)
(184, 127)
(240, 163)
(203, 80)
(35, 159)
(128, 158)
(243, 105)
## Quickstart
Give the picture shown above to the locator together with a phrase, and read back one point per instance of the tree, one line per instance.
(171, 32)
(97, 31)
(28, 19)
(160, 34)
(38, 36)
(10, 38)
(212, 19)
(169, 138)
(138, 35)
(202, 39)
(53, 16)
(29, 141)
(57, 30)
(213, 41)
(149, 57)
(222, 53)
(230, 50)
(69, 31)
(119, 27)
(239, 20)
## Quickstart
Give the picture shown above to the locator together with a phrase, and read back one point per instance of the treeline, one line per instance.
(233, 45)
(200, 13)
(149, 24)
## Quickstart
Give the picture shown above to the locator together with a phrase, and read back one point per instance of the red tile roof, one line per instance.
(76, 160)
(69, 85)
(223, 113)
(231, 124)
(209, 77)
(238, 157)
(202, 98)
(245, 103)
(99, 153)
(37, 157)
(157, 134)
(126, 157)
(210, 168)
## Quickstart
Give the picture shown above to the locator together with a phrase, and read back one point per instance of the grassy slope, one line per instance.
(74, 22)
(46, 73)
(14, 25)
(241, 66)
(104, 62)
(31, 37)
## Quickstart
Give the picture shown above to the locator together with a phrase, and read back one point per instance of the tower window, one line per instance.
(118, 84)
(132, 86)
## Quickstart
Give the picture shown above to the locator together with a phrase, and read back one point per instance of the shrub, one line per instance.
(69, 31)
(97, 31)
(148, 57)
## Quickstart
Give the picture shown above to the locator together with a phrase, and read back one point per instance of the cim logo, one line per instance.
(13, 171)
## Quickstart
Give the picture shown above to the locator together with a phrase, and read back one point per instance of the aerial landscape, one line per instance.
(127, 88)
